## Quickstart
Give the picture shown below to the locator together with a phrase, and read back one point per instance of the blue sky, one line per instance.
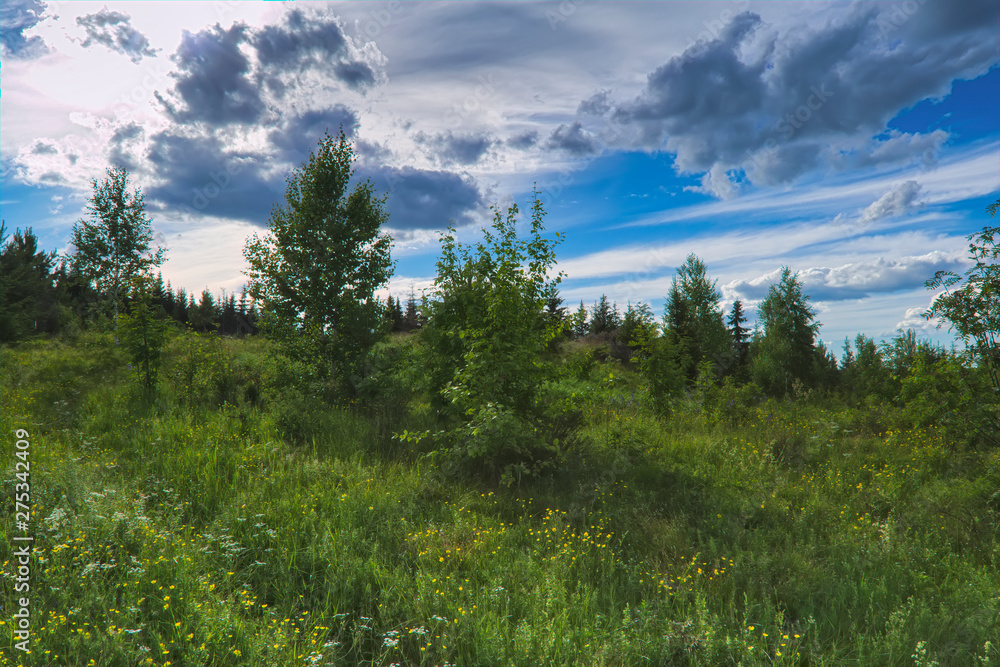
(856, 142)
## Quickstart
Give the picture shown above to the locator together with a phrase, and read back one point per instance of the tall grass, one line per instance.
(234, 517)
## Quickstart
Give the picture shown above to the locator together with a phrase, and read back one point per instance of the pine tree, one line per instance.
(181, 307)
(28, 298)
(411, 319)
(205, 316)
(694, 316)
(227, 316)
(396, 313)
(579, 321)
(740, 335)
(168, 300)
(604, 318)
(786, 350)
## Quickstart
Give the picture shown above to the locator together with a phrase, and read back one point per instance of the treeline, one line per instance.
(490, 324)
(696, 341)
(43, 294)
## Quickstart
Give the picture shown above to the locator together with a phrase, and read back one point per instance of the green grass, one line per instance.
(235, 518)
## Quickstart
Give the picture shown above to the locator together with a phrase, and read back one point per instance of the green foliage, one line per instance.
(637, 325)
(786, 351)
(113, 246)
(485, 335)
(735, 364)
(973, 309)
(205, 316)
(316, 270)
(942, 393)
(777, 533)
(864, 373)
(29, 303)
(578, 321)
(604, 317)
(143, 332)
(693, 315)
(732, 404)
(662, 361)
(203, 371)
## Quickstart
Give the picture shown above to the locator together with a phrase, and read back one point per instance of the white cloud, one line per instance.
(897, 201)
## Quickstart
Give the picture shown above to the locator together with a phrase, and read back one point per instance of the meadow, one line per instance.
(235, 516)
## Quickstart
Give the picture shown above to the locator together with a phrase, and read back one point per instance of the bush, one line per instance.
(661, 362)
(945, 394)
(485, 344)
(732, 404)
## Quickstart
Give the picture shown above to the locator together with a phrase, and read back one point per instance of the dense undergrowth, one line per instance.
(232, 517)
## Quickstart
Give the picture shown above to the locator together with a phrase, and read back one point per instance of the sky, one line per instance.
(857, 143)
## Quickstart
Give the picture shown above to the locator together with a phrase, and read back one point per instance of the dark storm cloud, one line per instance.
(296, 40)
(126, 132)
(301, 133)
(450, 148)
(772, 104)
(200, 176)
(371, 152)
(573, 139)
(308, 39)
(523, 141)
(52, 177)
(214, 82)
(123, 142)
(597, 104)
(114, 30)
(423, 199)
(355, 74)
(220, 81)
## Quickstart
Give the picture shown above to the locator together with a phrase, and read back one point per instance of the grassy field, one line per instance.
(234, 518)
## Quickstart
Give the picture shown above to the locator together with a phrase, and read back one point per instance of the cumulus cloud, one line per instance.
(523, 140)
(241, 75)
(776, 105)
(125, 145)
(311, 39)
(300, 134)
(914, 319)
(43, 148)
(200, 176)
(450, 148)
(573, 139)
(856, 280)
(114, 30)
(597, 104)
(214, 81)
(425, 199)
(896, 201)
(16, 16)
